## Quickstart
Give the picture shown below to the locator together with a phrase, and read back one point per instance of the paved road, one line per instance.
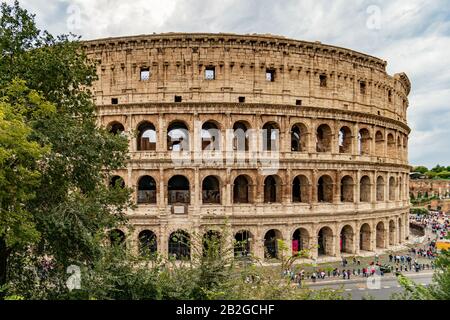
(359, 288)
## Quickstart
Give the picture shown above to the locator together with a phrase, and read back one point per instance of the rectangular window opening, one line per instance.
(114, 100)
(362, 87)
(270, 75)
(178, 99)
(298, 102)
(145, 74)
(210, 73)
(241, 99)
(323, 80)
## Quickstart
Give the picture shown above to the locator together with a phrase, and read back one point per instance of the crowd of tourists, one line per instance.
(437, 223)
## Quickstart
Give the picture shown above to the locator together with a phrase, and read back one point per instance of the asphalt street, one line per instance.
(360, 288)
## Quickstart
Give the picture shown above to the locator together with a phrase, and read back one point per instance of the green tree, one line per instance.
(444, 175)
(438, 290)
(421, 169)
(20, 159)
(438, 169)
(70, 203)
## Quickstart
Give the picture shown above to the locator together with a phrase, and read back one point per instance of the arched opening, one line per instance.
(146, 190)
(400, 230)
(364, 142)
(147, 243)
(325, 242)
(364, 238)
(325, 189)
(146, 140)
(212, 244)
(300, 190)
(117, 237)
(177, 137)
(116, 128)
(272, 185)
(380, 188)
(298, 138)
(347, 189)
(346, 239)
(300, 241)
(345, 140)
(379, 144)
(391, 233)
(380, 235)
(211, 190)
(210, 136)
(323, 138)
(364, 189)
(179, 190)
(241, 190)
(270, 136)
(241, 137)
(242, 241)
(391, 146)
(391, 189)
(117, 182)
(180, 245)
(271, 244)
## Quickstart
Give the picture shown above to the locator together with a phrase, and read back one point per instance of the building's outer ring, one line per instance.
(259, 80)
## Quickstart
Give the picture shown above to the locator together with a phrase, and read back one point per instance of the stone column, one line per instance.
(373, 236)
(337, 189)
(357, 241)
(163, 242)
(196, 197)
(314, 186)
(313, 242)
(161, 140)
(337, 244)
(163, 201)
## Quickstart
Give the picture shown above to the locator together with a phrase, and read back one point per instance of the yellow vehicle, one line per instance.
(443, 245)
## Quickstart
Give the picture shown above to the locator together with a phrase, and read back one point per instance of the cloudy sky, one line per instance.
(413, 36)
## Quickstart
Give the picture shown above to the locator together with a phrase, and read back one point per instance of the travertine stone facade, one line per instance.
(336, 134)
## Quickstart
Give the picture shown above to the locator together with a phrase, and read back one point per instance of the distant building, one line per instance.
(431, 187)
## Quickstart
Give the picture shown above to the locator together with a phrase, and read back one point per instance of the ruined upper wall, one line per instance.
(177, 63)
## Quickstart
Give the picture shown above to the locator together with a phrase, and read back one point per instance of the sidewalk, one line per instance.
(358, 279)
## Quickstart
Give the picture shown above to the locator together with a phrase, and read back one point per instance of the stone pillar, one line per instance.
(336, 188)
(313, 245)
(163, 200)
(163, 242)
(357, 241)
(358, 186)
(337, 244)
(373, 237)
(374, 187)
(196, 197)
(161, 140)
(131, 139)
(314, 186)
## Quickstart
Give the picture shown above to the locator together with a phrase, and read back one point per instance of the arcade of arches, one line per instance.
(319, 241)
(339, 181)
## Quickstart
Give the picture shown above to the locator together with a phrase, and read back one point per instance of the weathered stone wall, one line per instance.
(364, 179)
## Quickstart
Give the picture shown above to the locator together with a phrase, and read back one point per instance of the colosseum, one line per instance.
(274, 138)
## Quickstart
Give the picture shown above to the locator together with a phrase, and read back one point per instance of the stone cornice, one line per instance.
(263, 41)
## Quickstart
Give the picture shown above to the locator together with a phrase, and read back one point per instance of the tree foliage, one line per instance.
(66, 159)
(438, 290)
